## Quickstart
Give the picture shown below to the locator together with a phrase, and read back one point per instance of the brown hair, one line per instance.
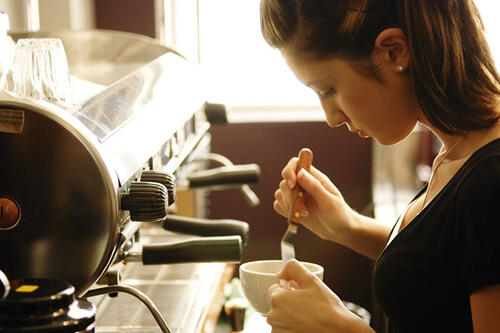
(452, 70)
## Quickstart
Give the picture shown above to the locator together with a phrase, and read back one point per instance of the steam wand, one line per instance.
(136, 293)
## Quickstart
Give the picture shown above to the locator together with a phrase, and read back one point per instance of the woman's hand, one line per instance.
(310, 306)
(328, 215)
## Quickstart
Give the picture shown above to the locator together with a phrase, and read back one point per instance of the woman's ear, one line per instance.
(391, 49)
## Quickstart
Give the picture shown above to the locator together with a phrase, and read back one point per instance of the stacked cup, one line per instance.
(40, 71)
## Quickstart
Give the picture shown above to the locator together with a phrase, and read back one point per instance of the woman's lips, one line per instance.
(362, 134)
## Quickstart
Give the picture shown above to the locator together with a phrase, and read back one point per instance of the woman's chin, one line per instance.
(386, 141)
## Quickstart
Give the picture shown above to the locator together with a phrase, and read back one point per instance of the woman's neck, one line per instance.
(464, 146)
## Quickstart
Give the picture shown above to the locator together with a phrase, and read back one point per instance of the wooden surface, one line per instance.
(215, 307)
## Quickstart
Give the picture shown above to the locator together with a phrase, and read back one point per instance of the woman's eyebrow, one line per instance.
(313, 83)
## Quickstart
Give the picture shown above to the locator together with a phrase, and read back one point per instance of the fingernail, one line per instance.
(291, 184)
(284, 284)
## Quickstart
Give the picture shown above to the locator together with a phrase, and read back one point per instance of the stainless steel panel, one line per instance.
(103, 56)
(66, 194)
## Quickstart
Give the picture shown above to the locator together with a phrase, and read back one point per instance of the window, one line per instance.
(489, 13)
(241, 68)
(244, 72)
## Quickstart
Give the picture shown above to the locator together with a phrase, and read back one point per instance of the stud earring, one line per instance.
(399, 68)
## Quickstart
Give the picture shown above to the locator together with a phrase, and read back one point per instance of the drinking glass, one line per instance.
(40, 71)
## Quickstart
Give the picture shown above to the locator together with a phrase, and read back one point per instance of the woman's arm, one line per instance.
(366, 236)
(485, 309)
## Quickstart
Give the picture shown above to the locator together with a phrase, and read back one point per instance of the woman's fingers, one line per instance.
(314, 188)
(280, 299)
(324, 180)
(279, 208)
(282, 199)
(289, 173)
(285, 192)
(298, 277)
(295, 271)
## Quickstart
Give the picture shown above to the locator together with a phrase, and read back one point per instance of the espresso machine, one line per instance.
(89, 202)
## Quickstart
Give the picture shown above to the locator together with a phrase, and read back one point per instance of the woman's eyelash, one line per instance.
(326, 94)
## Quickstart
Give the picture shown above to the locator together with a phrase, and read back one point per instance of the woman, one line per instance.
(381, 67)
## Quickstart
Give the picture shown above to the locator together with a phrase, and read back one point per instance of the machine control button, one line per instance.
(146, 201)
(164, 178)
(9, 213)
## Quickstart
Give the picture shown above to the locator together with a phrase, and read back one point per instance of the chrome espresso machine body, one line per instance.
(76, 183)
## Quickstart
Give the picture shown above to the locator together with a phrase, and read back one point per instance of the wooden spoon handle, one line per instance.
(298, 193)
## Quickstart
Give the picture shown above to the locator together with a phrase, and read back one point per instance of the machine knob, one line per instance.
(164, 178)
(146, 201)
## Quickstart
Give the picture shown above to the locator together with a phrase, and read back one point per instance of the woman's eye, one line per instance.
(326, 94)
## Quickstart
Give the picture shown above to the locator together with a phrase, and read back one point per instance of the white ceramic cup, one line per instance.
(257, 276)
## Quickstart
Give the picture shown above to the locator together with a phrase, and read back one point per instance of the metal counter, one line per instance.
(189, 296)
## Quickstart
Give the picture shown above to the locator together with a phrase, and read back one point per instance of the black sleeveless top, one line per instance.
(425, 275)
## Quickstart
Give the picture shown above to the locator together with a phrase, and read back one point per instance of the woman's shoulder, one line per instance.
(484, 155)
(490, 147)
(480, 175)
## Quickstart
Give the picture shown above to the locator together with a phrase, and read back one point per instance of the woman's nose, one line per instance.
(334, 116)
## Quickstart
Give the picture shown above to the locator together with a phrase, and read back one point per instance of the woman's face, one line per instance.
(386, 111)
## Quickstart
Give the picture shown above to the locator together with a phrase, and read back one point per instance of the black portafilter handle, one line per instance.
(216, 113)
(234, 175)
(206, 227)
(197, 250)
